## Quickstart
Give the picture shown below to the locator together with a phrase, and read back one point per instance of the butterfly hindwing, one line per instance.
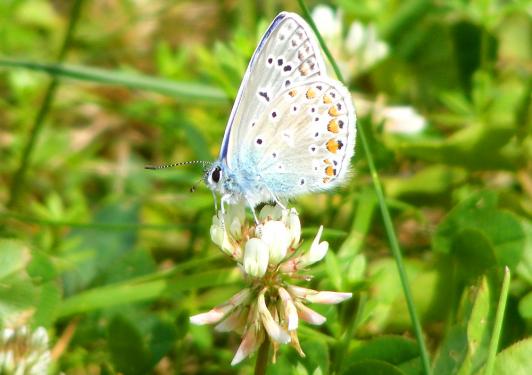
(303, 141)
(287, 55)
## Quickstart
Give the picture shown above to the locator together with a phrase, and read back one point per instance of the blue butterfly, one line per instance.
(292, 128)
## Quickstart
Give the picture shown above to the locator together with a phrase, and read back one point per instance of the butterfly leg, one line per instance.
(276, 200)
(223, 200)
(215, 201)
(279, 203)
(253, 211)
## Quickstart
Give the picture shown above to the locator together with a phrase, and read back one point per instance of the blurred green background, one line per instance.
(112, 259)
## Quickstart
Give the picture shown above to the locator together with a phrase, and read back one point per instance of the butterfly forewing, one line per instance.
(287, 55)
(307, 145)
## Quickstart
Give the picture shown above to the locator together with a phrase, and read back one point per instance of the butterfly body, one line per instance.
(292, 128)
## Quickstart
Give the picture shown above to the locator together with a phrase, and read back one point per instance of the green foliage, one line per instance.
(113, 260)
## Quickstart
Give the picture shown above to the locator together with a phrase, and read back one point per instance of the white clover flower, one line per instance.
(226, 232)
(401, 120)
(24, 352)
(256, 257)
(269, 306)
(328, 21)
(291, 220)
(270, 213)
(398, 119)
(364, 46)
(360, 50)
(317, 251)
(277, 238)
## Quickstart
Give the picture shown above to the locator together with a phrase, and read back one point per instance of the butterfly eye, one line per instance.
(216, 174)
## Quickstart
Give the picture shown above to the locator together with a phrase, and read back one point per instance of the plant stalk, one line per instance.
(262, 357)
(392, 238)
(20, 175)
(499, 317)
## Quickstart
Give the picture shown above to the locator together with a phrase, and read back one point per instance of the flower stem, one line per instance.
(262, 357)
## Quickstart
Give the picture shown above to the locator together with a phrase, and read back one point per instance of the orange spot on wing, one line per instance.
(333, 111)
(311, 94)
(332, 126)
(330, 171)
(327, 99)
(332, 145)
(292, 93)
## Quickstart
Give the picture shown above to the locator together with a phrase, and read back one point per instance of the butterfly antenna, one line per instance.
(163, 166)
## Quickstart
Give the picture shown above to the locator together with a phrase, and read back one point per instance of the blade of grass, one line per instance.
(396, 251)
(101, 226)
(499, 317)
(20, 175)
(392, 238)
(184, 91)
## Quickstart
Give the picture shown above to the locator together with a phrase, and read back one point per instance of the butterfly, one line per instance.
(292, 128)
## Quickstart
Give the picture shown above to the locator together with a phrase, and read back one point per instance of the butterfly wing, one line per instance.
(302, 142)
(287, 54)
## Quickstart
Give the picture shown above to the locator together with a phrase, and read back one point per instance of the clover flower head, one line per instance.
(269, 255)
(24, 352)
(401, 120)
(359, 50)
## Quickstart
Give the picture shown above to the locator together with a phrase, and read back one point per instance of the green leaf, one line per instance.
(316, 360)
(525, 306)
(162, 338)
(477, 147)
(391, 349)
(356, 269)
(334, 271)
(434, 180)
(452, 353)
(362, 219)
(126, 346)
(16, 297)
(131, 292)
(524, 268)
(41, 268)
(14, 256)
(466, 345)
(47, 304)
(479, 212)
(372, 367)
(106, 249)
(474, 252)
(514, 360)
(316, 355)
(479, 325)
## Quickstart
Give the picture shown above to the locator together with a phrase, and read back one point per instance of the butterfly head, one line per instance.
(214, 176)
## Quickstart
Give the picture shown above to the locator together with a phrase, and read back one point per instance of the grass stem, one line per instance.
(20, 175)
(392, 238)
(499, 317)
